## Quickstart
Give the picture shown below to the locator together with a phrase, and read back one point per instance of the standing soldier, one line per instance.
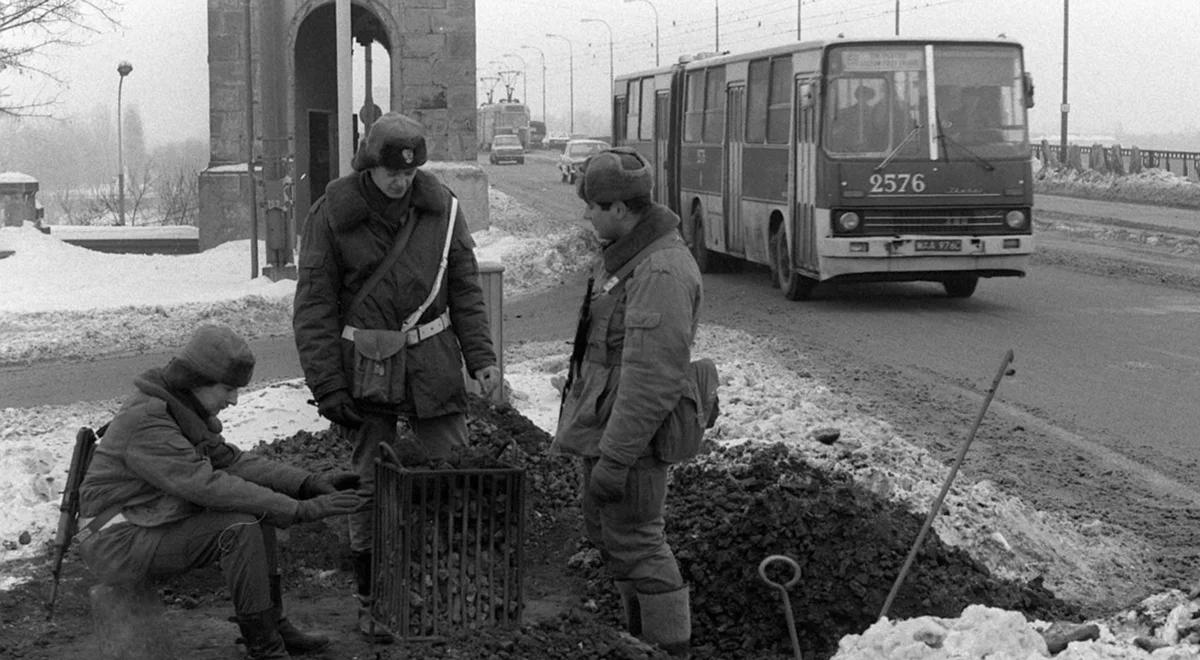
(628, 372)
(388, 307)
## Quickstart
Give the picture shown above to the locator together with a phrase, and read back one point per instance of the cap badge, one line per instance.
(408, 156)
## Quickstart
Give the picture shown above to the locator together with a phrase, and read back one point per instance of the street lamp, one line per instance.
(543, 56)
(571, 65)
(655, 26)
(610, 47)
(123, 68)
(524, 78)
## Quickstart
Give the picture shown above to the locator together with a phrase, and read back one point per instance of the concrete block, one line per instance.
(469, 183)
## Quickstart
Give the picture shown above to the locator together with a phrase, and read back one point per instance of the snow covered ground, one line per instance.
(761, 401)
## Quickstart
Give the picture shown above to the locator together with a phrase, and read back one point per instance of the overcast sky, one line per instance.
(1132, 63)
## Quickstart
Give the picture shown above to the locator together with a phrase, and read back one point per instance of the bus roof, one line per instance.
(709, 59)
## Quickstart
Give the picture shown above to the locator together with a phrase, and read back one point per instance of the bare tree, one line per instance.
(29, 28)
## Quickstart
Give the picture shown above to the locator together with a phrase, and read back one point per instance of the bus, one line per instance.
(504, 117)
(847, 160)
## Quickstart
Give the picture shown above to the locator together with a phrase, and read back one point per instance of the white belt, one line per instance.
(115, 520)
(414, 336)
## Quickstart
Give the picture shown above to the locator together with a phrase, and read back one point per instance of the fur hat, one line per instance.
(215, 354)
(615, 175)
(395, 141)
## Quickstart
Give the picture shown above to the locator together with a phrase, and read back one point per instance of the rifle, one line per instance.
(580, 345)
(68, 509)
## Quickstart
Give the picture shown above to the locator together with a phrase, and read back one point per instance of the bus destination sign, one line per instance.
(878, 59)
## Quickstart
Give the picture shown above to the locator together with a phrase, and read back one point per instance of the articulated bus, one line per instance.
(845, 160)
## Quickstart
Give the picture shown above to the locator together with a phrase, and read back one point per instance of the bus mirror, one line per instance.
(1028, 90)
(806, 95)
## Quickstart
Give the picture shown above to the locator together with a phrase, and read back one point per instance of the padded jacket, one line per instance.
(346, 236)
(638, 344)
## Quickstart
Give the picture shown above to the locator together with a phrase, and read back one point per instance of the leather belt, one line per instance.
(414, 336)
(90, 526)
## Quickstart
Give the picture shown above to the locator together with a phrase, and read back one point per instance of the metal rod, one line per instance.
(937, 503)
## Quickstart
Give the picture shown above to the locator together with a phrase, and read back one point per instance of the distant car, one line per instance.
(507, 148)
(575, 153)
(555, 142)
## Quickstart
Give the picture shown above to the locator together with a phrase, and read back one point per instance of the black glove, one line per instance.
(607, 480)
(338, 407)
(326, 483)
(334, 504)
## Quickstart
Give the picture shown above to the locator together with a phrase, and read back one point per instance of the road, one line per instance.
(1107, 368)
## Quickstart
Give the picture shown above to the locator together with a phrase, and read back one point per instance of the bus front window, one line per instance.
(980, 100)
(874, 100)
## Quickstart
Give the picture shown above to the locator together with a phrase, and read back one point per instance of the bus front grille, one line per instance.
(980, 222)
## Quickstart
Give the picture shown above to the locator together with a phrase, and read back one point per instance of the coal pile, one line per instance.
(731, 508)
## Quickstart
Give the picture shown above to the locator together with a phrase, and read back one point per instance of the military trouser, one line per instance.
(630, 533)
(236, 540)
(435, 436)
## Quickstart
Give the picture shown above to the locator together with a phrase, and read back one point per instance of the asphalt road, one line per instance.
(1109, 361)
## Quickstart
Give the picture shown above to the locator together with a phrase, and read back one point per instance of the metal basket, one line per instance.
(448, 549)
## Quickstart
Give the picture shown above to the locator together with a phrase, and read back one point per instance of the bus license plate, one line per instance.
(939, 245)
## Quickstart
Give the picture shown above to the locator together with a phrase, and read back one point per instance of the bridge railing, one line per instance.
(1120, 159)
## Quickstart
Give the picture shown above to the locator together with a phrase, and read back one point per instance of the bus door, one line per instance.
(804, 231)
(731, 186)
(662, 120)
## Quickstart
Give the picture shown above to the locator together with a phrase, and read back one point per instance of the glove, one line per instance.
(326, 483)
(323, 506)
(489, 379)
(338, 407)
(606, 483)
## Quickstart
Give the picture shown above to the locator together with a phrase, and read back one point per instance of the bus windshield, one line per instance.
(878, 102)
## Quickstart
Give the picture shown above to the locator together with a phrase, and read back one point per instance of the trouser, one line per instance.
(435, 436)
(630, 533)
(236, 540)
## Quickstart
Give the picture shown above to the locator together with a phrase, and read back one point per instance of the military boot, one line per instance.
(667, 621)
(374, 631)
(260, 633)
(296, 641)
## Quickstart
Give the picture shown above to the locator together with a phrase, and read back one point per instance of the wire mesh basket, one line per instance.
(448, 549)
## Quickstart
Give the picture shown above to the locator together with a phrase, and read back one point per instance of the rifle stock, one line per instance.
(68, 509)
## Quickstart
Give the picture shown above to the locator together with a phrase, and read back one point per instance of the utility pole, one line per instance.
(897, 18)
(1066, 108)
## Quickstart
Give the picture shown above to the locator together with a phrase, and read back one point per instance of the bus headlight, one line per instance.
(1015, 219)
(848, 222)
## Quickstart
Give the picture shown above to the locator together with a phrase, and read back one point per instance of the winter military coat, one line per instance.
(348, 233)
(638, 344)
(161, 462)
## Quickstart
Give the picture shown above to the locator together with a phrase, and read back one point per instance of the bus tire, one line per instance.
(794, 285)
(704, 259)
(960, 286)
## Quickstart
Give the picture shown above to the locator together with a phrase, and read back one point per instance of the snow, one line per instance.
(762, 400)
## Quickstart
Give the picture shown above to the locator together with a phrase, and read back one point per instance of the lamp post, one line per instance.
(543, 56)
(571, 65)
(123, 68)
(610, 46)
(655, 26)
(1065, 108)
(524, 78)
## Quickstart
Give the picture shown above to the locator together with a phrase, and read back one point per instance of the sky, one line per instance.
(1131, 63)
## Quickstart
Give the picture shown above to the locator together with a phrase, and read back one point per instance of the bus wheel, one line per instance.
(961, 286)
(704, 258)
(794, 285)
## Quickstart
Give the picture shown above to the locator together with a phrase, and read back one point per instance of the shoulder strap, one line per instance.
(412, 319)
(402, 237)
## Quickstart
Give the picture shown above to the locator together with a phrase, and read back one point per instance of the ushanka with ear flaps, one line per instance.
(395, 141)
(615, 175)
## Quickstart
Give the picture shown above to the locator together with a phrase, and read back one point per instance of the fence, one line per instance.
(1133, 159)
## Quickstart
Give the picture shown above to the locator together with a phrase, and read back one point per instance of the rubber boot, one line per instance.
(667, 621)
(629, 605)
(296, 641)
(367, 625)
(260, 633)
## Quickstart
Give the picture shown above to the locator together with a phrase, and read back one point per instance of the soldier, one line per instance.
(633, 351)
(388, 308)
(165, 493)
